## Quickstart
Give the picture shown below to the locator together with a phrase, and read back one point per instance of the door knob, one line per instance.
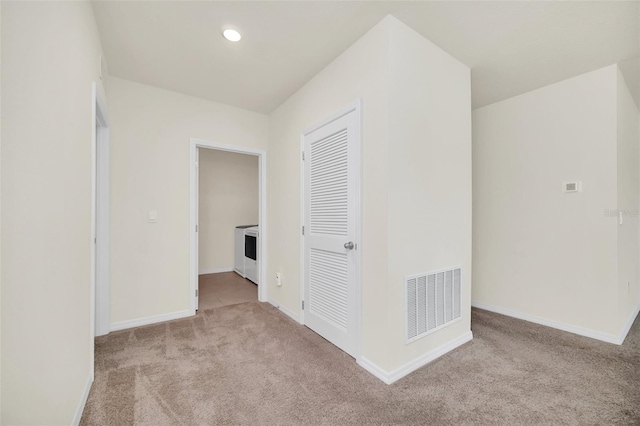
(349, 245)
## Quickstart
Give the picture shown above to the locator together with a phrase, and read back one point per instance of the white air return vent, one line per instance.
(432, 302)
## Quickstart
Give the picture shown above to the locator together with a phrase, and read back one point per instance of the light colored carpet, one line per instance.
(250, 364)
(223, 289)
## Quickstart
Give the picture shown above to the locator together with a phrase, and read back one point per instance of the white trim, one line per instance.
(286, 311)
(194, 144)
(138, 322)
(103, 239)
(353, 106)
(357, 107)
(374, 369)
(100, 216)
(627, 327)
(92, 278)
(302, 240)
(83, 401)
(411, 366)
(215, 270)
(430, 356)
(598, 335)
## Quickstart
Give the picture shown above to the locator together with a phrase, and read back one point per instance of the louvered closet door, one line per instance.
(331, 169)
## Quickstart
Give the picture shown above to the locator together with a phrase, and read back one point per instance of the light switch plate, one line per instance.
(153, 216)
(572, 186)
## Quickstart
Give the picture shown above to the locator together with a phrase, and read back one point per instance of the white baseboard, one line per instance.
(629, 323)
(374, 369)
(83, 401)
(586, 332)
(286, 311)
(122, 325)
(215, 270)
(411, 366)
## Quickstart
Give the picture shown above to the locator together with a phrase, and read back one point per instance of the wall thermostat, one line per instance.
(572, 186)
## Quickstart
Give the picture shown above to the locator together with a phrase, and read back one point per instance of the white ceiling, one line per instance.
(512, 47)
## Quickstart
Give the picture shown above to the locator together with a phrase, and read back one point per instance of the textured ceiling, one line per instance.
(512, 47)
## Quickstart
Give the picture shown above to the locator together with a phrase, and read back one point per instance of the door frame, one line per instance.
(357, 107)
(100, 206)
(194, 144)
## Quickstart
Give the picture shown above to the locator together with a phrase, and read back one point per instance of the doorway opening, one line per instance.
(228, 226)
(100, 216)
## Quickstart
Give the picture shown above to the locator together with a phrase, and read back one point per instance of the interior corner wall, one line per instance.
(429, 193)
(416, 106)
(228, 197)
(628, 201)
(360, 72)
(50, 57)
(536, 250)
(150, 136)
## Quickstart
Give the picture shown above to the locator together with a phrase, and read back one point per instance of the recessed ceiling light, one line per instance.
(231, 34)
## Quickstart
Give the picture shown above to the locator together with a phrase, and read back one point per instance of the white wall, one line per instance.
(536, 250)
(416, 103)
(360, 72)
(150, 131)
(628, 201)
(228, 197)
(50, 54)
(429, 159)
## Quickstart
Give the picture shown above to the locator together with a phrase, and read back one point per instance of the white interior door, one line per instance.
(331, 169)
